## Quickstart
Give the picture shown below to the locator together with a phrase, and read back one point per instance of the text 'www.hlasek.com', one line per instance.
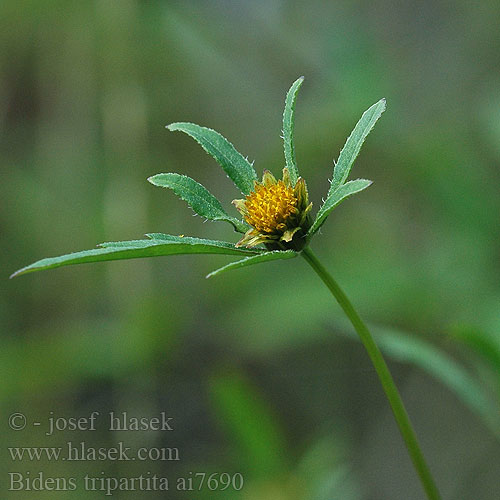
(133, 442)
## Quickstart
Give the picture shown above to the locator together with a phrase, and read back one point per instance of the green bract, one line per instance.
(242, 173)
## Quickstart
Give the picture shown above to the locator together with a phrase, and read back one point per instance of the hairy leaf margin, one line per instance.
(120, 250)
(197, 196)
(288, 129)
(255, 259)
(237, 167)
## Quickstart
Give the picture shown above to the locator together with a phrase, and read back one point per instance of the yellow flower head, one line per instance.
(277, 213)
(269, 207)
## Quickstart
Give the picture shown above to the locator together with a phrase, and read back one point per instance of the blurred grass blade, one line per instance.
(353, 144)
(401, 347)
(197, 197)
(238, 168)
(288, 127)
(249, 421)
(480, 342)
(404, 348)
(137, 249)
(255, 259)
(333, 199)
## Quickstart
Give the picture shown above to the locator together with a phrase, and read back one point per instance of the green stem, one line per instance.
(384, 375)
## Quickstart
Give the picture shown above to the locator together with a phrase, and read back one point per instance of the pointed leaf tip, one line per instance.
(335, 198)
(353, 144)
(255, 259)
(288, 129)
(197, 197)
(161, 245)
(236, 166)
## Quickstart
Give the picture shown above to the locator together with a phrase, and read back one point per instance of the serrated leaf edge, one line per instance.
(323, 213)
(288, 129)
(238, 225)
(255, 259)
(246, 186)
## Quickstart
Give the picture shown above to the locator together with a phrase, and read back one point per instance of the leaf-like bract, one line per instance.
(238, 168)
(255, 259)
(337, 197)
(119, 250)
(353, 144)
(288, 128)
(197, 197)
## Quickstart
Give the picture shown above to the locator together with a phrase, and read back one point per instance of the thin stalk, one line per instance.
(384, 375)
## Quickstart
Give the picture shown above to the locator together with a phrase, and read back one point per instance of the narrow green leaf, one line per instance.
(288, 127)
(162, 238)
(238, 168)
(197, 197)
(136, 249)
(353, 144)
(337, 197)
(255, 259)
(167, 237)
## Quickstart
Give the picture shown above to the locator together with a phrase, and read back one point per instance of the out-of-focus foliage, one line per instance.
(86, 89)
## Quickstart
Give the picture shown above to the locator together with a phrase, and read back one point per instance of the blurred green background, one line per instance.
(258, 368)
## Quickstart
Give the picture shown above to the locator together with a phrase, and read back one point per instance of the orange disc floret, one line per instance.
(269, 207)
